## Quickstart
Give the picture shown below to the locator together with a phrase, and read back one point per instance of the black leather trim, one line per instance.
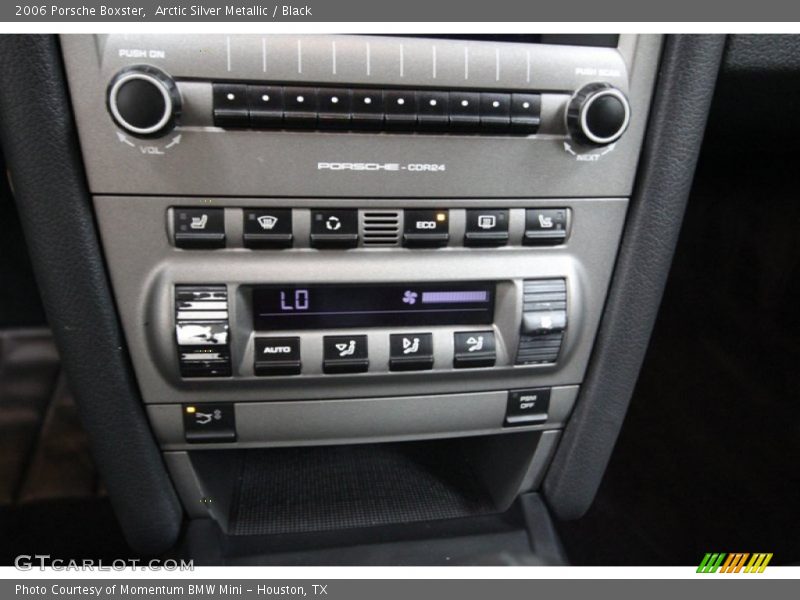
(39, 141)
(685, 86)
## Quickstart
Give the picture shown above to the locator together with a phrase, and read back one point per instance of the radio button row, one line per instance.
(410, 352)
(486, 228)
(334, 228)
(345, 354)
(268, 228)
(277, 356)
(426, 228)
(305, 107)
(199, 228)
(474, 349)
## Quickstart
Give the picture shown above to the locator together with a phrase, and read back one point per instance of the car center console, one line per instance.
(330, 241)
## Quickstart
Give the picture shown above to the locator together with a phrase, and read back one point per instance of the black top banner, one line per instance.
(447, 11)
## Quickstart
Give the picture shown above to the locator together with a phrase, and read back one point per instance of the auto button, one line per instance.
(277, 356)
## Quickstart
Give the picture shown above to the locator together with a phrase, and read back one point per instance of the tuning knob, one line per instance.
(598, 114)
(144, 101)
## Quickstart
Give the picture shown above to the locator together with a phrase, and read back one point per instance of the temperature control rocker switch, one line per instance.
(544, 320)
(202, 330)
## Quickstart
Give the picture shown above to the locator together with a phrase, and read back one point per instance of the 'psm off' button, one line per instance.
(527, 407)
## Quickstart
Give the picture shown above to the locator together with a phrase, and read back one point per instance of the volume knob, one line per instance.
(144, 101)
(598, 114)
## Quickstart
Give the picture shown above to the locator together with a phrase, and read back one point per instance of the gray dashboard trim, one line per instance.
(363, 420)
(683, 95)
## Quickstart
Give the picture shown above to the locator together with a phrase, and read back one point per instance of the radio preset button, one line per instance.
(474, 349)
(268, 228)
(526, 112)
(433, 110)
(335, 108)
(334, 228)
(495, 111)
(199, 228)
(266, 106)
(426, 228)
(230, 105)
(486, 227)
(465, 111)
(277, 356)
(301, 106)
(368, 109)
(410, 351)
(400, 109)
(345, 354)
(545, 226)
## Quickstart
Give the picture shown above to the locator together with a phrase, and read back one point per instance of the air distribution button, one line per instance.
(144, 101)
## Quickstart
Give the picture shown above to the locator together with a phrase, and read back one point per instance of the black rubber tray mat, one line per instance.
(297, 490)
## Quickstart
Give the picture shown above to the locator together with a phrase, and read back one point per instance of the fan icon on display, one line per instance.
(410, 297)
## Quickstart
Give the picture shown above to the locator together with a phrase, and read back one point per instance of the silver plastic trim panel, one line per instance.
(364, 420)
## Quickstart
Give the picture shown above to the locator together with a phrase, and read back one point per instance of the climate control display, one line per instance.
(280, 308)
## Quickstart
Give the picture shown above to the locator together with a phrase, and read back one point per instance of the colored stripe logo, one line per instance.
(735, 562)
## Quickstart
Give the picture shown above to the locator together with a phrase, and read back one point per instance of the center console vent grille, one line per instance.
(380, 227)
